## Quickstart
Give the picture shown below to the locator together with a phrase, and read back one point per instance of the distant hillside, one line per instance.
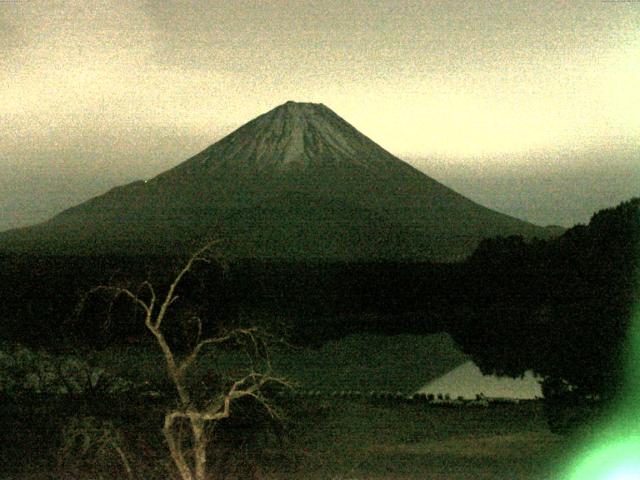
(297, 182)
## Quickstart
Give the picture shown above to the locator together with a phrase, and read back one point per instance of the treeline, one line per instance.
(314, 302)
(560, 307)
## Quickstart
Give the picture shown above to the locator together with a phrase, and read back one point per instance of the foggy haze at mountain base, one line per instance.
(559, 188)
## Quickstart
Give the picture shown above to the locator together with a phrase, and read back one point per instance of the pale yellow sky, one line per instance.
(451, 78)
(87, 86)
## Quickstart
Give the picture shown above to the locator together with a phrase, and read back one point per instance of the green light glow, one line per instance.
(609, 461)
(616, 454)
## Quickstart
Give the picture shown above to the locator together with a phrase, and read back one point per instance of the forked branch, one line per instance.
(250, 385)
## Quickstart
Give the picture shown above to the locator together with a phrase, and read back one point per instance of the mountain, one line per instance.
(297, 182)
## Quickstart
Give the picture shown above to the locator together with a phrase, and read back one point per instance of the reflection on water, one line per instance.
(467, 381)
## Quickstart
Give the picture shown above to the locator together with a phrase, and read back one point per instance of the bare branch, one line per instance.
(170, 297)
(199, 325)
(237, 391)
(193, 466)
(122, 291)
(189, 359)
(147, 284)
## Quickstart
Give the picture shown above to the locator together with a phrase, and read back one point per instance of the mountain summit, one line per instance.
(293, 136)
(295, 183)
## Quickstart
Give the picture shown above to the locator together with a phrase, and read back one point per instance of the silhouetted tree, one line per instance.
(561, 307)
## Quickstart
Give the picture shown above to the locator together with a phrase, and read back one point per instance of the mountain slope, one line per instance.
(297, 182)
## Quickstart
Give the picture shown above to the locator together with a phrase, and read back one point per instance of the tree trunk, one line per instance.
(176, 450)
(199, 447)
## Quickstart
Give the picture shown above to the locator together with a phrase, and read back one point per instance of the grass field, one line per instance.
(356, 440)
(326, 438)
(414, 442)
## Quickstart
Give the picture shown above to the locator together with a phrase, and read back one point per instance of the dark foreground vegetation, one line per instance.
(513, 305)
(560, 307)
(318, 439)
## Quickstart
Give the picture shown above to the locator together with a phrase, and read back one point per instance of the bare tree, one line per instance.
(190, 409)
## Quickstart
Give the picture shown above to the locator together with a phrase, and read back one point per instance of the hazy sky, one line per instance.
(482, 95)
